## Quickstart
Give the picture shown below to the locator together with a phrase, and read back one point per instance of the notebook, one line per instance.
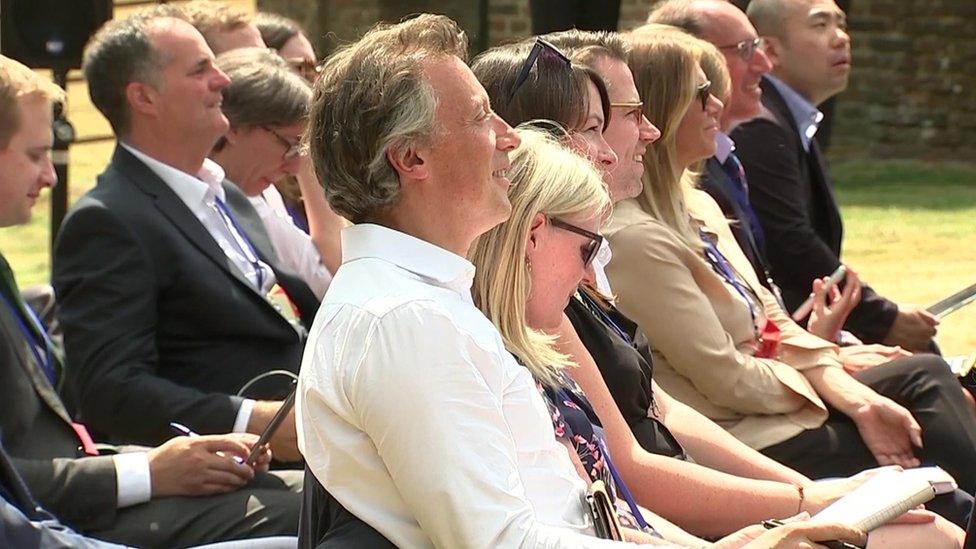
(886, 495)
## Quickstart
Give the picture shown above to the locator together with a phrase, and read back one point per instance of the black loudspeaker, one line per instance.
(50, 34)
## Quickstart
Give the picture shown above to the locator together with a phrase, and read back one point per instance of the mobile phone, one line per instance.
(273, 425)
(806, 307)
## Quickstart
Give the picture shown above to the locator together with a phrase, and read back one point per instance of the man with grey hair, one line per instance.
(410, 409)
(169, 291)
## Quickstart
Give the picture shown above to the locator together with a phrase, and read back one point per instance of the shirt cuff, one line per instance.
(243, 416)
(133, 480)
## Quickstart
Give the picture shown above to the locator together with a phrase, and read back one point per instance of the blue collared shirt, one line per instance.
(805, 114)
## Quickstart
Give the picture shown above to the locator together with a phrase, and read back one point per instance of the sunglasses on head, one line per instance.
(592, 248)
(555, 130)
(746, 48)
(703, 91)
(541, 49)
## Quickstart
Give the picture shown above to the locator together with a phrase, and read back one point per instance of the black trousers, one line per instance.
(558, 15)
(924, 385)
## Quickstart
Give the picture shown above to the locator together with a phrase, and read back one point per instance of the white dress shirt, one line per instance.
(600, 262)
(417, 419)
(293, 245)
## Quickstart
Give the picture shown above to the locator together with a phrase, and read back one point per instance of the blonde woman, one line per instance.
(527, 270)
(721, 343)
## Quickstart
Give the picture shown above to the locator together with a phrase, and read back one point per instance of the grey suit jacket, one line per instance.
(23, 523)
(45, 449)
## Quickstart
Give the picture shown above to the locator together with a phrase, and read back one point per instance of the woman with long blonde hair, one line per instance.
(527, 270)
(721, 342)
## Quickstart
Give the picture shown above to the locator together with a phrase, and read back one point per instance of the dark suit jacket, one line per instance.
(159, 325)
(37, 432)
(791, 193)
(714, 182)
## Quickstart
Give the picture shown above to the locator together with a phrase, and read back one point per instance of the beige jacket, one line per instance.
(702, 333)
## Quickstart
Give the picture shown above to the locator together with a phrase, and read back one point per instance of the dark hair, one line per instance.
(586, 46)
(553, 91)
(276, 29)
(120, 53)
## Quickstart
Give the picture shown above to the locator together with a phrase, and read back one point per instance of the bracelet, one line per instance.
(799, 491)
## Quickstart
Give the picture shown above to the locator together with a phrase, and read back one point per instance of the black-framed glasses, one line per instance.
(291, 149)
(703, 91)
(746, 48)
(541, 49)
(588, 253)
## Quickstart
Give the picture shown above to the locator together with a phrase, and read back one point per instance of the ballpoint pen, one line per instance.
(181, 429)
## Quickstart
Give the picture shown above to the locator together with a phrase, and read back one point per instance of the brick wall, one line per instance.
(912, 89)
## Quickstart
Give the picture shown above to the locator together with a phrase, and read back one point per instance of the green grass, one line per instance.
(909, 231)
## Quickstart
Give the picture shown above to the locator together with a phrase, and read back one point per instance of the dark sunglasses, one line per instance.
(703, 92)
(541, 49)
(746, 48)
(588, 253)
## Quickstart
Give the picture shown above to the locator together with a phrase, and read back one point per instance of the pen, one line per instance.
(181, 429)
(832, 544)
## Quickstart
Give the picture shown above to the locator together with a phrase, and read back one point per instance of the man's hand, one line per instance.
(284, 443)
(861, 357)
(913, 329)
(202, 466)
(830, 311)
(889, 431)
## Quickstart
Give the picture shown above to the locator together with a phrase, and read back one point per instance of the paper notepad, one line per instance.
(883, 497)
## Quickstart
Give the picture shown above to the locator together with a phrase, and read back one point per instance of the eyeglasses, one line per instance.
(291, 149)
(307, 68)
(628, 104)
(746, 48)
(541, 49)
(703, 92)
(596, 240)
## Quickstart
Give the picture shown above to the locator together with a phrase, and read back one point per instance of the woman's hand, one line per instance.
(830, 312)
(797, 532)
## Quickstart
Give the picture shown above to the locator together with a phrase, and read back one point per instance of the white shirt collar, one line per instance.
(723, 146)
(191, 189)
(420, 257)
(805, 114)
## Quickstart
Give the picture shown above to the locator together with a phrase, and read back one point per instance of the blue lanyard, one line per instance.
(44, 360)
(721, 266)
(625, 493)
(604, 317)
(250, 254)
